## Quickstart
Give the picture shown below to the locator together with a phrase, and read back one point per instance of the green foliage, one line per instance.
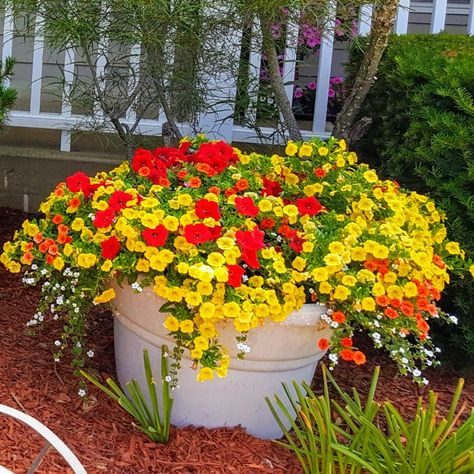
(154, 424)
(7, 94)
(350, 437)
(422, 106)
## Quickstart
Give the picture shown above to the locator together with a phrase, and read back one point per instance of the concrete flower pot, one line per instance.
(280, 352)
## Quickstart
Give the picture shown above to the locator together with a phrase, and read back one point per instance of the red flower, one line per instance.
(346, 354)
(267, 223)
(205, 208)
(323, 343)
(155, 237)
(382, 300)
(309, 206)
(215, 231)
(78, 182)
(235, 275)
(197, 233)
(110, 247)
(141, 159)
(118, 200)
(338, 317)
(250, 242)
(271, 188)
(346, 342)
(57, 219)
(246, 207)
(104, 218)
(391, 313)
(296, 243)
(359, 357)
(320, 172)
(407, 308)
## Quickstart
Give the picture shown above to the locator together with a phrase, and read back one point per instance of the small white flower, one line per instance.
(333, 358)
(453, 319)
(429, 353)
(242, 347)
(34, 266)
(168, 378)
(425, 381)
(404, 361)
(90, 353)
(416, 373)
(82, 392)
(333, 324)
(78, 344)
(376, 335)
(57, 343)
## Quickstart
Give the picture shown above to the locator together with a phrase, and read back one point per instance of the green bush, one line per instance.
(422, 136)
(368, 437)
(7, 94)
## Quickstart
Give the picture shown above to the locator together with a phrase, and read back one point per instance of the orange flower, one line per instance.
(338, 317)
(214, 190)
(242, 184)
(391, 313)
(38, 238)
(359, 357)
(204, 168)
(165, 182)
(63, 229)
(49, 259)
(53, 249)
(57, 219)
(194, 182)
(75, 202)
(43, 247)
(346, 341)
(382, 300)
(323, 343)
(144, 171)
(62, 238)
(59, 191)
(27, 258)
(182, 174)
(347, 354)
(229, 191)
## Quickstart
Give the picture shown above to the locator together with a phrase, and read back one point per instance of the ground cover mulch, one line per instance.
(102, 435)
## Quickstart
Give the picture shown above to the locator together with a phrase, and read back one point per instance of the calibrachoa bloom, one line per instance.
(247, 238)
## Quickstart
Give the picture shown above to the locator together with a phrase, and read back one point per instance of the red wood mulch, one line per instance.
(101, 434)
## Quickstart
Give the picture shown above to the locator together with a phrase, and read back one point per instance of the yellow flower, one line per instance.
(378, 289)
(323, 151)
(142, 265)
(371, 176)
(265, 205)
(207, 330)
(196, 354)
(337, 248)
(332, 259)
(207, 310)
(105, 297)
(320, 274)
(231, 309)
(67, 250)
(471, 270)
(305, 150)
(341, 293)
(150, 220)
(349, 280)
(193, 298)
(308, 247)
(186, 326)
(106, 266)
(453, 248)
(290, 210)
(368, 304)
(299, 264)
(279, 266)
(410, 290)
(171, 323)
(77, 224)
(394, 292)
(58, 263)
(201, 343)
(171, 223)
(86, 260)
(215, 259)
(205, 374)
(204, 288)
(358, 254)
(325, 288)
(291, 148)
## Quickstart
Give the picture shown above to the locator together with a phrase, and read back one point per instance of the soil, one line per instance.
(103, 436)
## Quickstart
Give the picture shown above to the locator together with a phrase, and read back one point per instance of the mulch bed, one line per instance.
(102, 435)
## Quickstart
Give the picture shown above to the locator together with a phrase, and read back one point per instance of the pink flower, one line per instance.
(311, 86)
(298, 93)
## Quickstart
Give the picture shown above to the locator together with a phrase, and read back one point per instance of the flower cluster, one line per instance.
(236, 238)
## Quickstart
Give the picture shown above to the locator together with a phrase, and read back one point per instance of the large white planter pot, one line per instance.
(280, 352)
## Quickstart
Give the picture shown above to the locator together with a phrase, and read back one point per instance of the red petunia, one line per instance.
(110, 247)
(347, 355)
(236, 272)
(78, 182)
(320, 172)
(346, 342)
(271, 188)
(296, 243)
(267, 223)
(155, 237)
(407, 308)
(338, 317)
(105, 218)
(118, 200)
(205, 208)
(141, 159)
(309, 206)
(197, 233)
(391, 313)
(246, 207)
(250, 242)
(323, 343)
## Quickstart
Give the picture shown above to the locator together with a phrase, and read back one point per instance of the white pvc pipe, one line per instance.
(48, 435)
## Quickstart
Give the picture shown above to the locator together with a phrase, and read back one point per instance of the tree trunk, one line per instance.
(276, 81)
(384, 18)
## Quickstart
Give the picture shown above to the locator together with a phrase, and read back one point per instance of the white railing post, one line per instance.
(37, 68)
(438, 17)
(365, 19)
(255, 64)
(133, 80)
(7, 47)
(324, 71)
(470, 19)
(66, 107)
(401, 21)
(289, 58)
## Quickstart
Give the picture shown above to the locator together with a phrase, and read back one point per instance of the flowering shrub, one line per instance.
(240, 238)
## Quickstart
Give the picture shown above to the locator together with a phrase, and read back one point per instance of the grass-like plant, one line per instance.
(354, 437)
(155, 425)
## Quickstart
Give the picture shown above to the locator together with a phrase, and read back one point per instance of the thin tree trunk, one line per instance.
(276, 81)
(384, 18)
